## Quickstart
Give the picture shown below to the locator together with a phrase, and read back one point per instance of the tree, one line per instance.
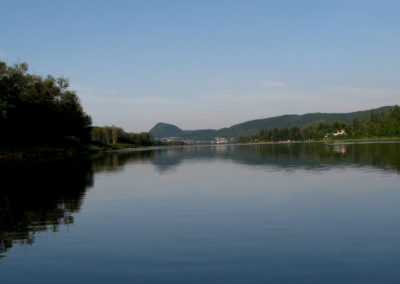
(39, 110)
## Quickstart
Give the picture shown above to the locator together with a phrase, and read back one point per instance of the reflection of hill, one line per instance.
(169, 158)
(310, 156)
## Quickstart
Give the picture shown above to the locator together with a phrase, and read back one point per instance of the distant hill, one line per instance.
(161, 130)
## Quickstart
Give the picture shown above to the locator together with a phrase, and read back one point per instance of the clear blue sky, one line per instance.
(210, 64)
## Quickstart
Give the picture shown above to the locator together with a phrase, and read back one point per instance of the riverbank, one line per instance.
(59, 151)
(47, 151)
(367, 139)
(327, 140)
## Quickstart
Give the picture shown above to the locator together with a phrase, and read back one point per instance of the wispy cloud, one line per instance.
(272, 84)
(256, 97)
(362, 91)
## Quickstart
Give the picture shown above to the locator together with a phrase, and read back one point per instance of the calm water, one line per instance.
(300, 213)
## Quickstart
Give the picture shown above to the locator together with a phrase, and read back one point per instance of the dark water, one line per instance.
(299, 213)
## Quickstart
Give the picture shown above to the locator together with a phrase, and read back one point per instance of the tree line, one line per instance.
(36, 110)
(379, 125)
(43, 111)
(112, 135)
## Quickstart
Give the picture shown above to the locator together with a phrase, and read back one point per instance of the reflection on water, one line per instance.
(39, 196)
(42, 195)
(114, 162)
(311, 156)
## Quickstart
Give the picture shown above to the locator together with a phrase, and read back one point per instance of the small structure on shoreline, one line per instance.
(340, 132)
(337, 133)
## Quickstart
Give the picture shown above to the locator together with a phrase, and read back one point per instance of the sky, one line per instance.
(209, 63)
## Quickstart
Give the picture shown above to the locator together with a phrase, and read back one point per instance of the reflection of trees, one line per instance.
(114, 161)
(385, 156)
(40, 196)
(310, 156)
(318, 155)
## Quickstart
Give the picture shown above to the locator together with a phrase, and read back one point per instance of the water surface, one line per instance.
(292, 213)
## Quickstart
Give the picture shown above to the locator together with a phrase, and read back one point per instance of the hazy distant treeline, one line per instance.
(379, 125)
(42, 111)
(112, 135)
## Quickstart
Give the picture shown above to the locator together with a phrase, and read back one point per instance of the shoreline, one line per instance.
(358, 140)
(60, 152)
(134, 149)
(355, 140)
(373, 139)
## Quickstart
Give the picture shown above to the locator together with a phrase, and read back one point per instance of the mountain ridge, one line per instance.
(163, 130)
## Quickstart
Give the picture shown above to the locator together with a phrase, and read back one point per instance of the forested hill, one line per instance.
(162, 130)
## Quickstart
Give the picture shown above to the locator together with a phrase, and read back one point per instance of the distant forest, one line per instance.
(162, 130)
(42, 111)
(385, 124)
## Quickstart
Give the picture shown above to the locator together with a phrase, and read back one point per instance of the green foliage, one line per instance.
(379, 125)
(113, 135)
(37, 110)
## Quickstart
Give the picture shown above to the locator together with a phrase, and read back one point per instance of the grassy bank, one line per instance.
(331, 140)
(365, 139)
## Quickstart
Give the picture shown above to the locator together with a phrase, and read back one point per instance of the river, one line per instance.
(281, 213)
